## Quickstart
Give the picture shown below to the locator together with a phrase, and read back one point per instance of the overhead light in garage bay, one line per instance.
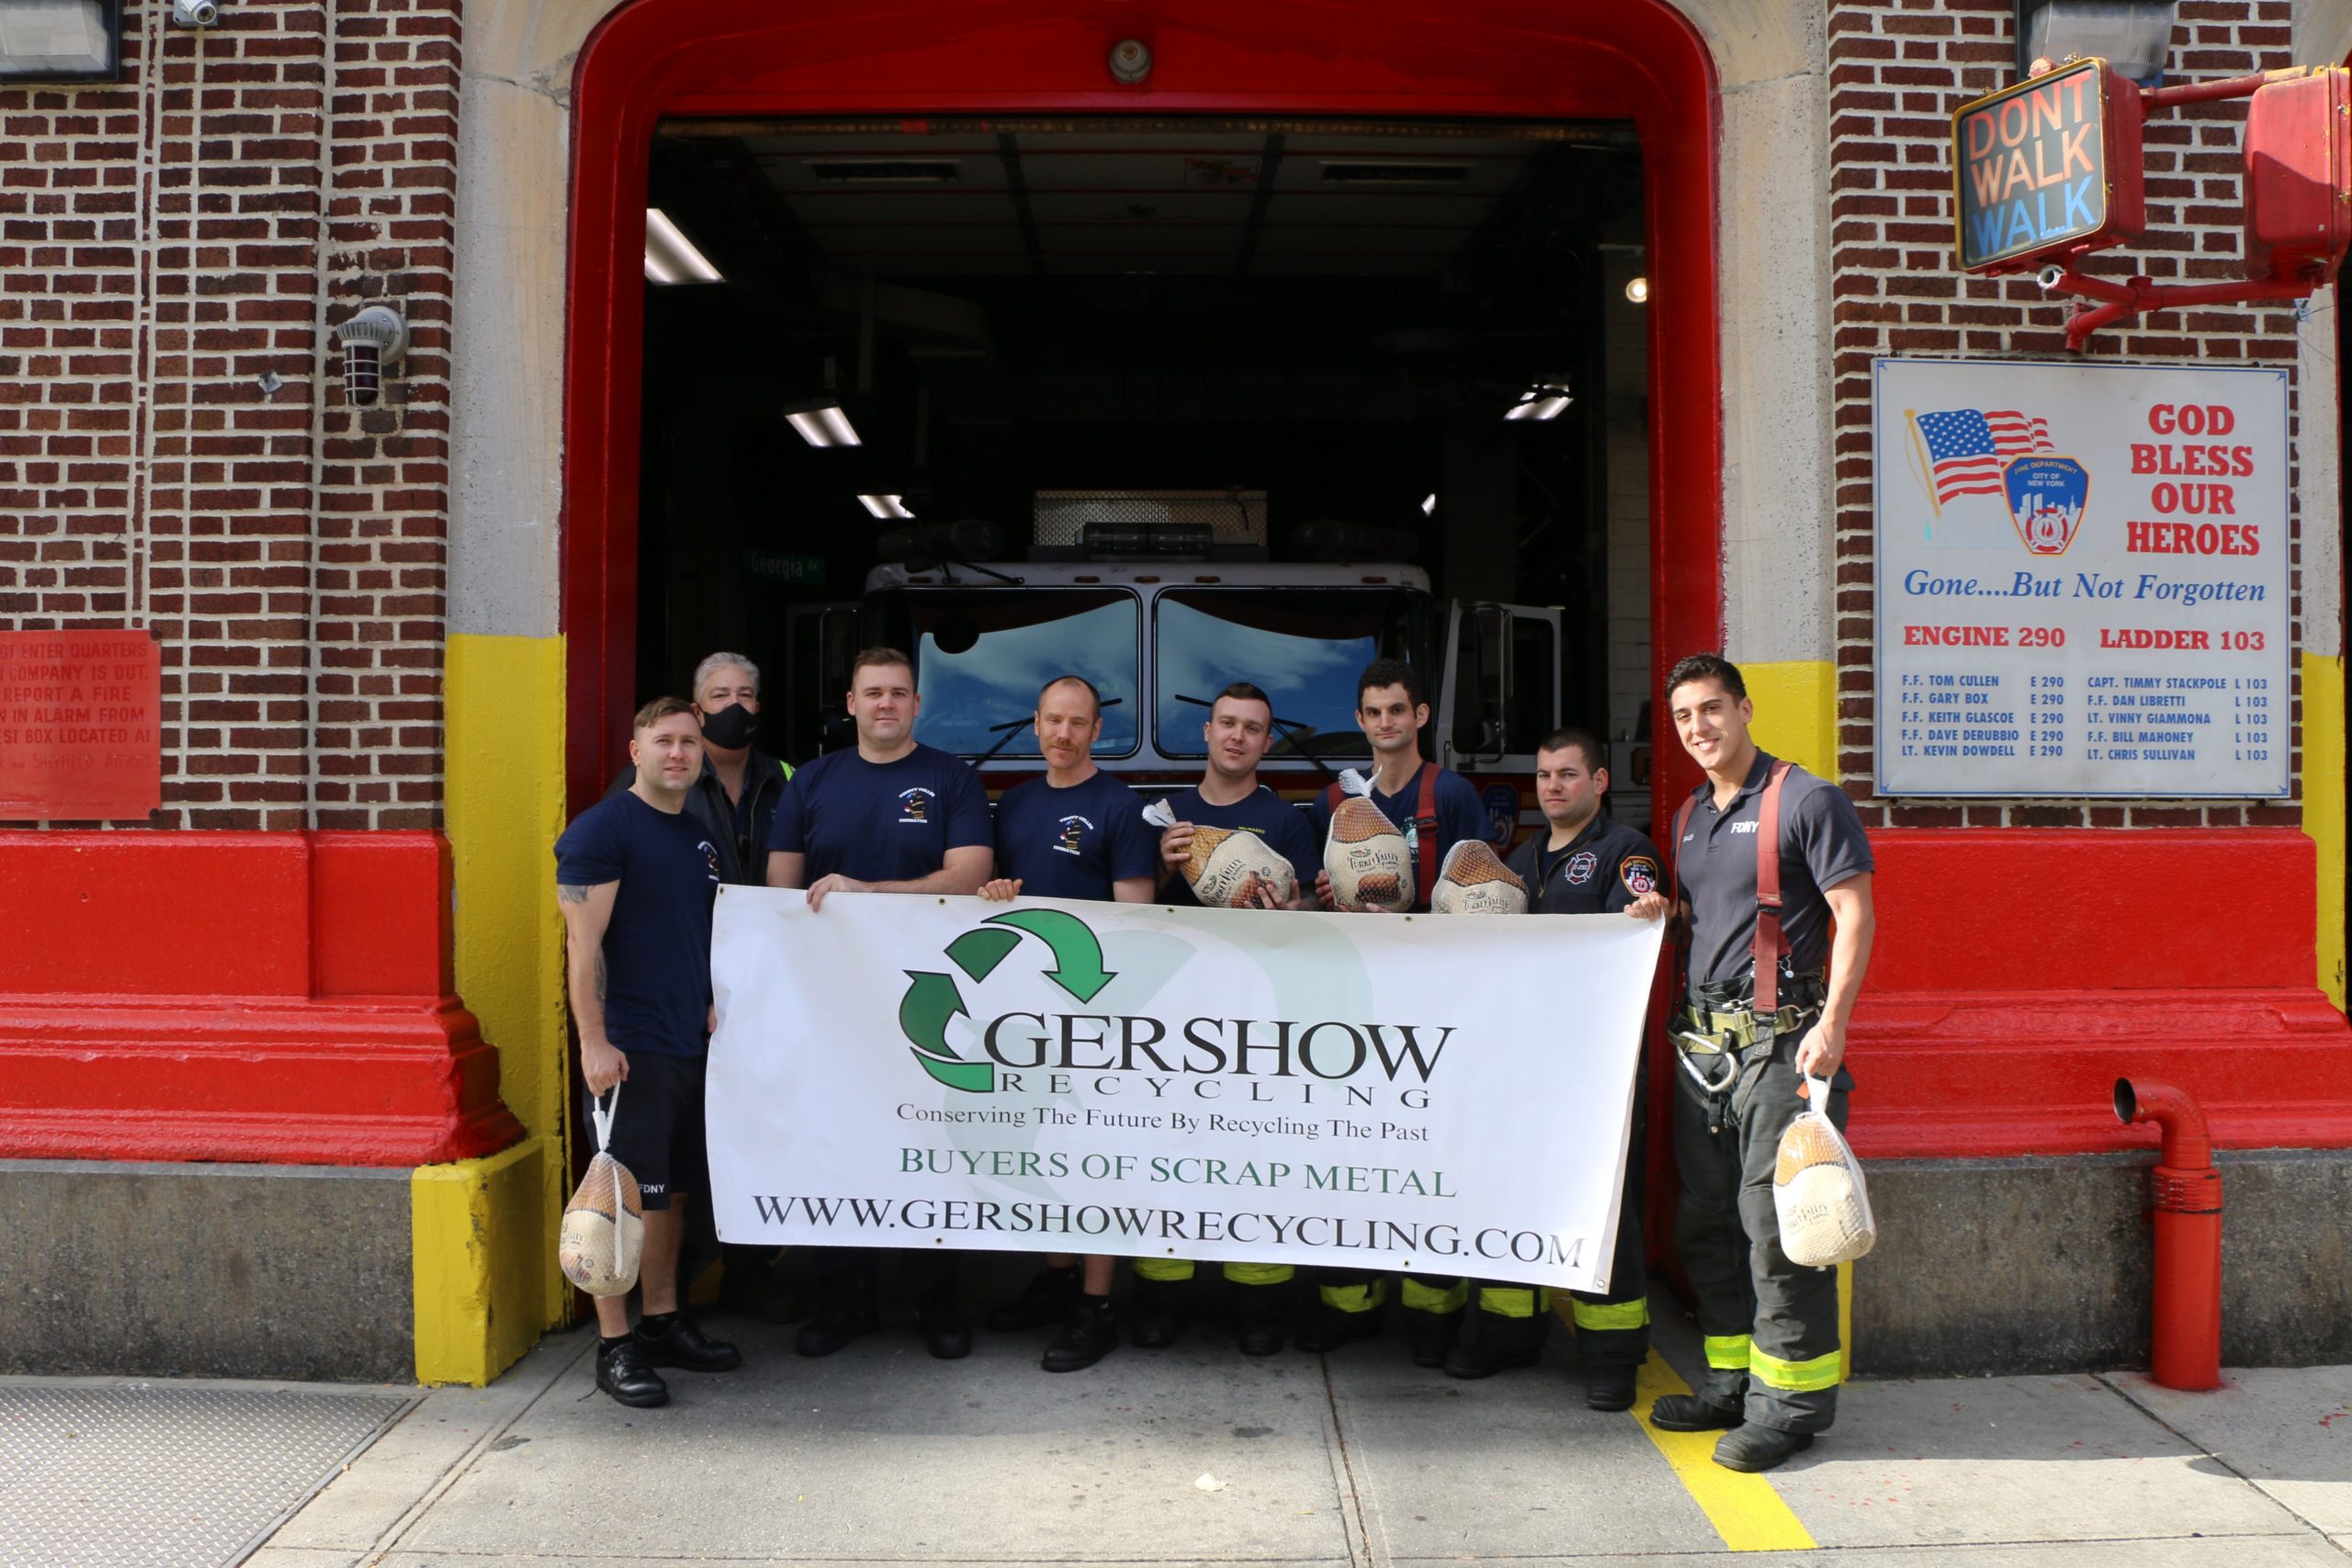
(886, 505)
(822, 423)
(670, 256)
(1547, 400)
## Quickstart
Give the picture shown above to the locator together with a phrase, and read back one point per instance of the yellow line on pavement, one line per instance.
(1743, 1509)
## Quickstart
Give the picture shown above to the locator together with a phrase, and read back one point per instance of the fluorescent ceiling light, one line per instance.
(1539, 403)
(670, 256)
(822, 424)
(886, 505)
(1428, 504)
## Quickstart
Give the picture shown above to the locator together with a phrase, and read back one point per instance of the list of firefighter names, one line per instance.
(2082, 584)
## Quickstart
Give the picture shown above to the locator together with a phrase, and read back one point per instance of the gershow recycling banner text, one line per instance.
(1446, 1095)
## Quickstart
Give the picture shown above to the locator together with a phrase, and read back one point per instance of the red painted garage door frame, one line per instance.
(1632, 59)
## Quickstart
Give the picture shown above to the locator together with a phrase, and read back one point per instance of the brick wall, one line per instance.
(1898, 68)
(164, 244)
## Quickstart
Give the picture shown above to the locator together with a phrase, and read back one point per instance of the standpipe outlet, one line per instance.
(2184, 1193)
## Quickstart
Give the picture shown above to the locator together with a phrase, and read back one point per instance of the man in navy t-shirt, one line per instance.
(1240, 730)
(1436, 808)
(1075, 833)
(892, 816)
(635, 877)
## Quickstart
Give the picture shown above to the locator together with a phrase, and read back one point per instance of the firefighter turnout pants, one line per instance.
(1771, 1325)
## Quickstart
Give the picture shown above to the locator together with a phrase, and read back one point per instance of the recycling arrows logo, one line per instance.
(932, 999)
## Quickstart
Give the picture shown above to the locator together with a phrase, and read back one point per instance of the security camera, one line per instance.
(372, 340)
(2051, 277)
(195, 13)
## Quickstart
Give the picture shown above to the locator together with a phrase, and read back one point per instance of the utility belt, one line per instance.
(1716, 1028)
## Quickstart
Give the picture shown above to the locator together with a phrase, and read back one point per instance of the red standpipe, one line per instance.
(2185, 1194)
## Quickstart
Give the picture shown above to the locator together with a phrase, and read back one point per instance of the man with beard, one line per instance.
(1075, 833)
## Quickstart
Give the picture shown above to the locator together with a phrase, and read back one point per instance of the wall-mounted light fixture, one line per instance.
(2134, 36)
(670, 256)
(373, 340)
(61, 40)
(822, 422)
(1637, 289)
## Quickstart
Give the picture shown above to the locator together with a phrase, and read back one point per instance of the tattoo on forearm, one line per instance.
(571, 893)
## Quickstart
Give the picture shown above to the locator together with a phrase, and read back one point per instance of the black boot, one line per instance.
(1689, 1413)
(1431, 1335)
(1046, 1298)
(1750, 1447)
(944, 1333)
(1330, 1328)
(1160, 1309)
(1089, 1333)
(1258, 1318)
(671, 1339)
(1481, 1356)
(623, 1372)
(1609, 1388)
(844, 1311)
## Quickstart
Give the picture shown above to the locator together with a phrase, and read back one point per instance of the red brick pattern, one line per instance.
(164, 244)
(1898, 68)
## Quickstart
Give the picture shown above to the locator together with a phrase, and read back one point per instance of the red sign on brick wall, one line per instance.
(79, 739)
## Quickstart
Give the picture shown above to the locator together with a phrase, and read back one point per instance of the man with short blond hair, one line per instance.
(635, 880)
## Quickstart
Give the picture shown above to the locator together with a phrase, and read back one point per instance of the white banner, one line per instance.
(1442, 1095)
(2082, 580)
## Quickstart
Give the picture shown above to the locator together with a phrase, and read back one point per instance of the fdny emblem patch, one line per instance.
(1581, 866)
(1639, 872)
(914, 803)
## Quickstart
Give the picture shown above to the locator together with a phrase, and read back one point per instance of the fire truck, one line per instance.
(1163, 611)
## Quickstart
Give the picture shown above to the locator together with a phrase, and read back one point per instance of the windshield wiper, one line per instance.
(1004, 732)
(1298, 734)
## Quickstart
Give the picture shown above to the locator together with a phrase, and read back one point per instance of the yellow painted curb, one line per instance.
(480, 1242)
(1744, 1510)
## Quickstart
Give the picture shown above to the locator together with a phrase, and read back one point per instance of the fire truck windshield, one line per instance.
(980, 656)
(1304, 646)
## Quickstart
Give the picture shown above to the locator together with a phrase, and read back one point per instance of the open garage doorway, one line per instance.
(1185, 397)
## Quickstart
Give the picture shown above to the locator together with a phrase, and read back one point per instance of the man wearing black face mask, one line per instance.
(735, 799)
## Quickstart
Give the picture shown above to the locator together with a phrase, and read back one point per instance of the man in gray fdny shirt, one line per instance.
(1770, 1326)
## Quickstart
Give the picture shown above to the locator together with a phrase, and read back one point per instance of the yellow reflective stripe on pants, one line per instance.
(1604, 1315)
(1802, 1377)
(1512, 1300)
(1420, 1296)
(1729, 1352)
(1354, 1298)
(1164, 1270)
(1260, 1273)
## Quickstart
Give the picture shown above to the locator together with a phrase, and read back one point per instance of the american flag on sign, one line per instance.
(1965, 447)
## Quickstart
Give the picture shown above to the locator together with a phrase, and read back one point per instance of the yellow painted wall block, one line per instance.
(1796, 712)
(481, 1242)
(2324, 781)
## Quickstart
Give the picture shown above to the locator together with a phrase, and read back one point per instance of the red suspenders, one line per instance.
(1771, 942)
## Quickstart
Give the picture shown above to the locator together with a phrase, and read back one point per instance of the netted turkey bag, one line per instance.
(1228, 867)
(1474, 881)
(1368, 859)
(603, 1230)
(1818, 1193)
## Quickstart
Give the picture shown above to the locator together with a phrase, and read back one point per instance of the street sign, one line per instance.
(2046, 167)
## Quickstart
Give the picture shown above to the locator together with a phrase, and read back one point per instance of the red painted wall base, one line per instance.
(2019, 972)
(269, 997)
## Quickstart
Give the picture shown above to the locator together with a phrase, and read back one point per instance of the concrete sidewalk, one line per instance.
(1195, 1455)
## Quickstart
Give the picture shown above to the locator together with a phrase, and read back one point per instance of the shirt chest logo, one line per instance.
(1743, 828)
(1074, 828)
(710, 858)
(914, 805)
(1581, 866)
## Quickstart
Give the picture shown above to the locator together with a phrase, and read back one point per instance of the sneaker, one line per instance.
(1047, 1298)
(1608, 1388)
(1089, 1333)
(623, 1372)
(681, 1344)
(1431, 1335)
(1157, 1313)
(1689, 1413)
(1750, 1448)
(1330, 1329)
(1482, 1358)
